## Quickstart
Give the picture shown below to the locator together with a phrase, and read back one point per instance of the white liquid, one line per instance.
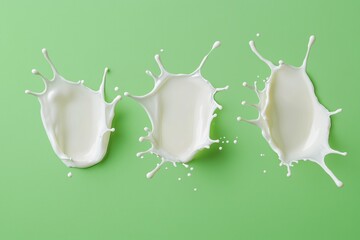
(76, 118)
(181, 108)
(291, 118)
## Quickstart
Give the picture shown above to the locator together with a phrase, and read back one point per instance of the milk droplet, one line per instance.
(261, 154)
(264, 171)
(116, 89)
(258, 34)
(69, 174)
(161, 50)
(191, 168)
(227, 141)
(185, 165)
(235, 141)
(195, 189)
(189, 174)
(179, 178)
(220, 148)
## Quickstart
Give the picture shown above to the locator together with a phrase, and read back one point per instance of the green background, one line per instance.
(235, 199)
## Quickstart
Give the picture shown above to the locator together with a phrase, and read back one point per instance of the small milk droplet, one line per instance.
(69, 174)
(161, 50)
(220, 148)
(189, 174)
(191, 168)
(264, 171)
(235, 141)
(166, 168)
(227, 141)
(261, 154)
(195, 189)
(116, 89)
(258, 34)
(179, 178)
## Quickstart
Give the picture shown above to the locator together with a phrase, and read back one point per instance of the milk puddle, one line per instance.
(291, 119)
(76, 118)
(181, 108)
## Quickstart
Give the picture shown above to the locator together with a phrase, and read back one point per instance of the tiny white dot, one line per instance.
(189, 174)
(264, 171)
(69, 174)
(179, 178)
(116, 89)
(258, 34)
(195, 189)
(235, 141)
(191, 168)
(220, 148)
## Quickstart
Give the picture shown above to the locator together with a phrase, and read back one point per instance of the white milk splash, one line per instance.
(76, 118)
(181, 108)
(292, 120)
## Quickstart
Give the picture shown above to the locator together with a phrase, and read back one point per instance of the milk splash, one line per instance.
(181, 108)
(76, 118)
(292, 120)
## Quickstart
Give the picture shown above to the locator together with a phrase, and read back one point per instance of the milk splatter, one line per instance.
(66, 110)
(181, 108)
(291, 119)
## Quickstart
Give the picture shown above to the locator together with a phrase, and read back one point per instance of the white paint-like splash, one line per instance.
(292, 120)
(181, 108)
(76, 118)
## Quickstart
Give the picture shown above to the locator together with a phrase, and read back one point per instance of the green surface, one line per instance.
(235, 199)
